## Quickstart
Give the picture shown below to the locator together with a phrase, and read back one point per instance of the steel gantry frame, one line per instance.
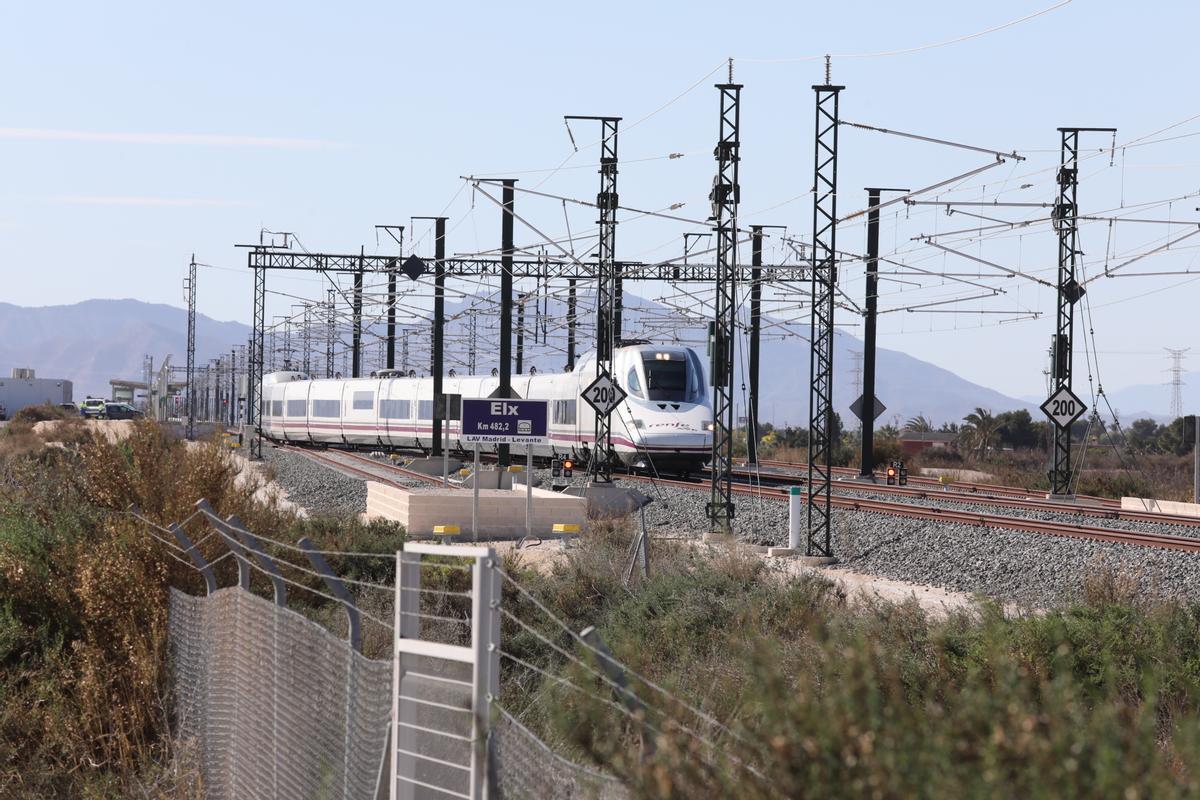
(264, 258)
(1066, 219)
(725, 195)
(608, 292)
(824, 284)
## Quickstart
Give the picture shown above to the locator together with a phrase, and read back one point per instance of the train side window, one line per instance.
(276, 408)
(564, 412)
(297, 408)
(326, 408)
(695, 378)
(424, 409)
(394, 409)
(632, 383)
(363, 401)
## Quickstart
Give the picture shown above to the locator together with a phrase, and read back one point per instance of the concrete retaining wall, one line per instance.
(501, 511)
(1160, 506)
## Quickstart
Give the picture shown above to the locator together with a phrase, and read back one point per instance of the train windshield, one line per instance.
(669, 378)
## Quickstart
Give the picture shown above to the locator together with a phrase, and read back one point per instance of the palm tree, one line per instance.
(981, 426)
(919, 424)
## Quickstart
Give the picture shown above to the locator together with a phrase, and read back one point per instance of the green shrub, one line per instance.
(827, 699)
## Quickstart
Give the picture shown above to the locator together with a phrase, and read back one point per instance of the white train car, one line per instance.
(665, 423)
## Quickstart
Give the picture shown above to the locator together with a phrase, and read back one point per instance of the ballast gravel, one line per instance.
(319, 489)
(1027, 569)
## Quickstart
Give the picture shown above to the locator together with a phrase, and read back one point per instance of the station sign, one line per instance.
(603, 395)
(504, 421)
(1063, 407)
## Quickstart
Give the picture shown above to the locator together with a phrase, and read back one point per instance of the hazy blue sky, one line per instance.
(134, 134)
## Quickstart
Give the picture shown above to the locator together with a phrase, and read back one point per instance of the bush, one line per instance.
(828, 699)
(83, 620)
(42, 413)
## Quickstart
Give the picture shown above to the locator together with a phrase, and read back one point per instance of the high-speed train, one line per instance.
(665, 423)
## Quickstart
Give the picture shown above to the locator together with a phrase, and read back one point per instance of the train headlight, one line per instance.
(637, 423)
(708, 426)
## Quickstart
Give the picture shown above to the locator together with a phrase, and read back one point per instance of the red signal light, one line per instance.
(568, 464)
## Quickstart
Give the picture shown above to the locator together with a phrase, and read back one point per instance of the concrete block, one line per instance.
(1172, 507)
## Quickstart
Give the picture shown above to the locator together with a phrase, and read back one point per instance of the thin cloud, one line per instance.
(131, 200)
(203, 139)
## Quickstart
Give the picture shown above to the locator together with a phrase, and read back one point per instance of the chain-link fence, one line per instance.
(526, 767)
(280, 707)
(283, 709)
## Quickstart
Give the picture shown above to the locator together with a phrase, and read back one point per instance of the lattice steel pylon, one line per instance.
(1176, 384)
(824, 281)
(608, 297)
(1065, 220)
(725, 195)
(255, 374)
(307, 339)
(330, 330)
(190, 287)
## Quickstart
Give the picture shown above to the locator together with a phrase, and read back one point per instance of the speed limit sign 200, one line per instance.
(603, 395)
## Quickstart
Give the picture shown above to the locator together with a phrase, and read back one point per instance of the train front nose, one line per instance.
(671, 446)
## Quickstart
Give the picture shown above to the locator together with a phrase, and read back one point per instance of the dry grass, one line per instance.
(83, 620)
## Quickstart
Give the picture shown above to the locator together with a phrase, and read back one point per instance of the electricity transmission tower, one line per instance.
(1176, 383)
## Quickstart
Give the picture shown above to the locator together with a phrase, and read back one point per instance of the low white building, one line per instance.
(25, 389)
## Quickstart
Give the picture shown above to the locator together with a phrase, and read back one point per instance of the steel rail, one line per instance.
(973, 518)
(325, 458)
(1025, 502)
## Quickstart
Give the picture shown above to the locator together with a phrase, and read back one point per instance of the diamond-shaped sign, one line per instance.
(1063, 407)
(603, 394)
(857, 408)
(413, 267)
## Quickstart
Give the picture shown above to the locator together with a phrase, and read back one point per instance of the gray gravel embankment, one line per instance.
(319, 489)
(1013, 566)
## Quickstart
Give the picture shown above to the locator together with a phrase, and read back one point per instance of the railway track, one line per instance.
(965, 487)
(372, 469)
(974, 518)
(362, 466)
(1024, 502)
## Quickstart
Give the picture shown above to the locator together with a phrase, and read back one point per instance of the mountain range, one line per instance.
(91, 342)
(96, 340)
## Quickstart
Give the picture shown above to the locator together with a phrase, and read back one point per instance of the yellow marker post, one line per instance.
(566, 530)
(448, 532)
